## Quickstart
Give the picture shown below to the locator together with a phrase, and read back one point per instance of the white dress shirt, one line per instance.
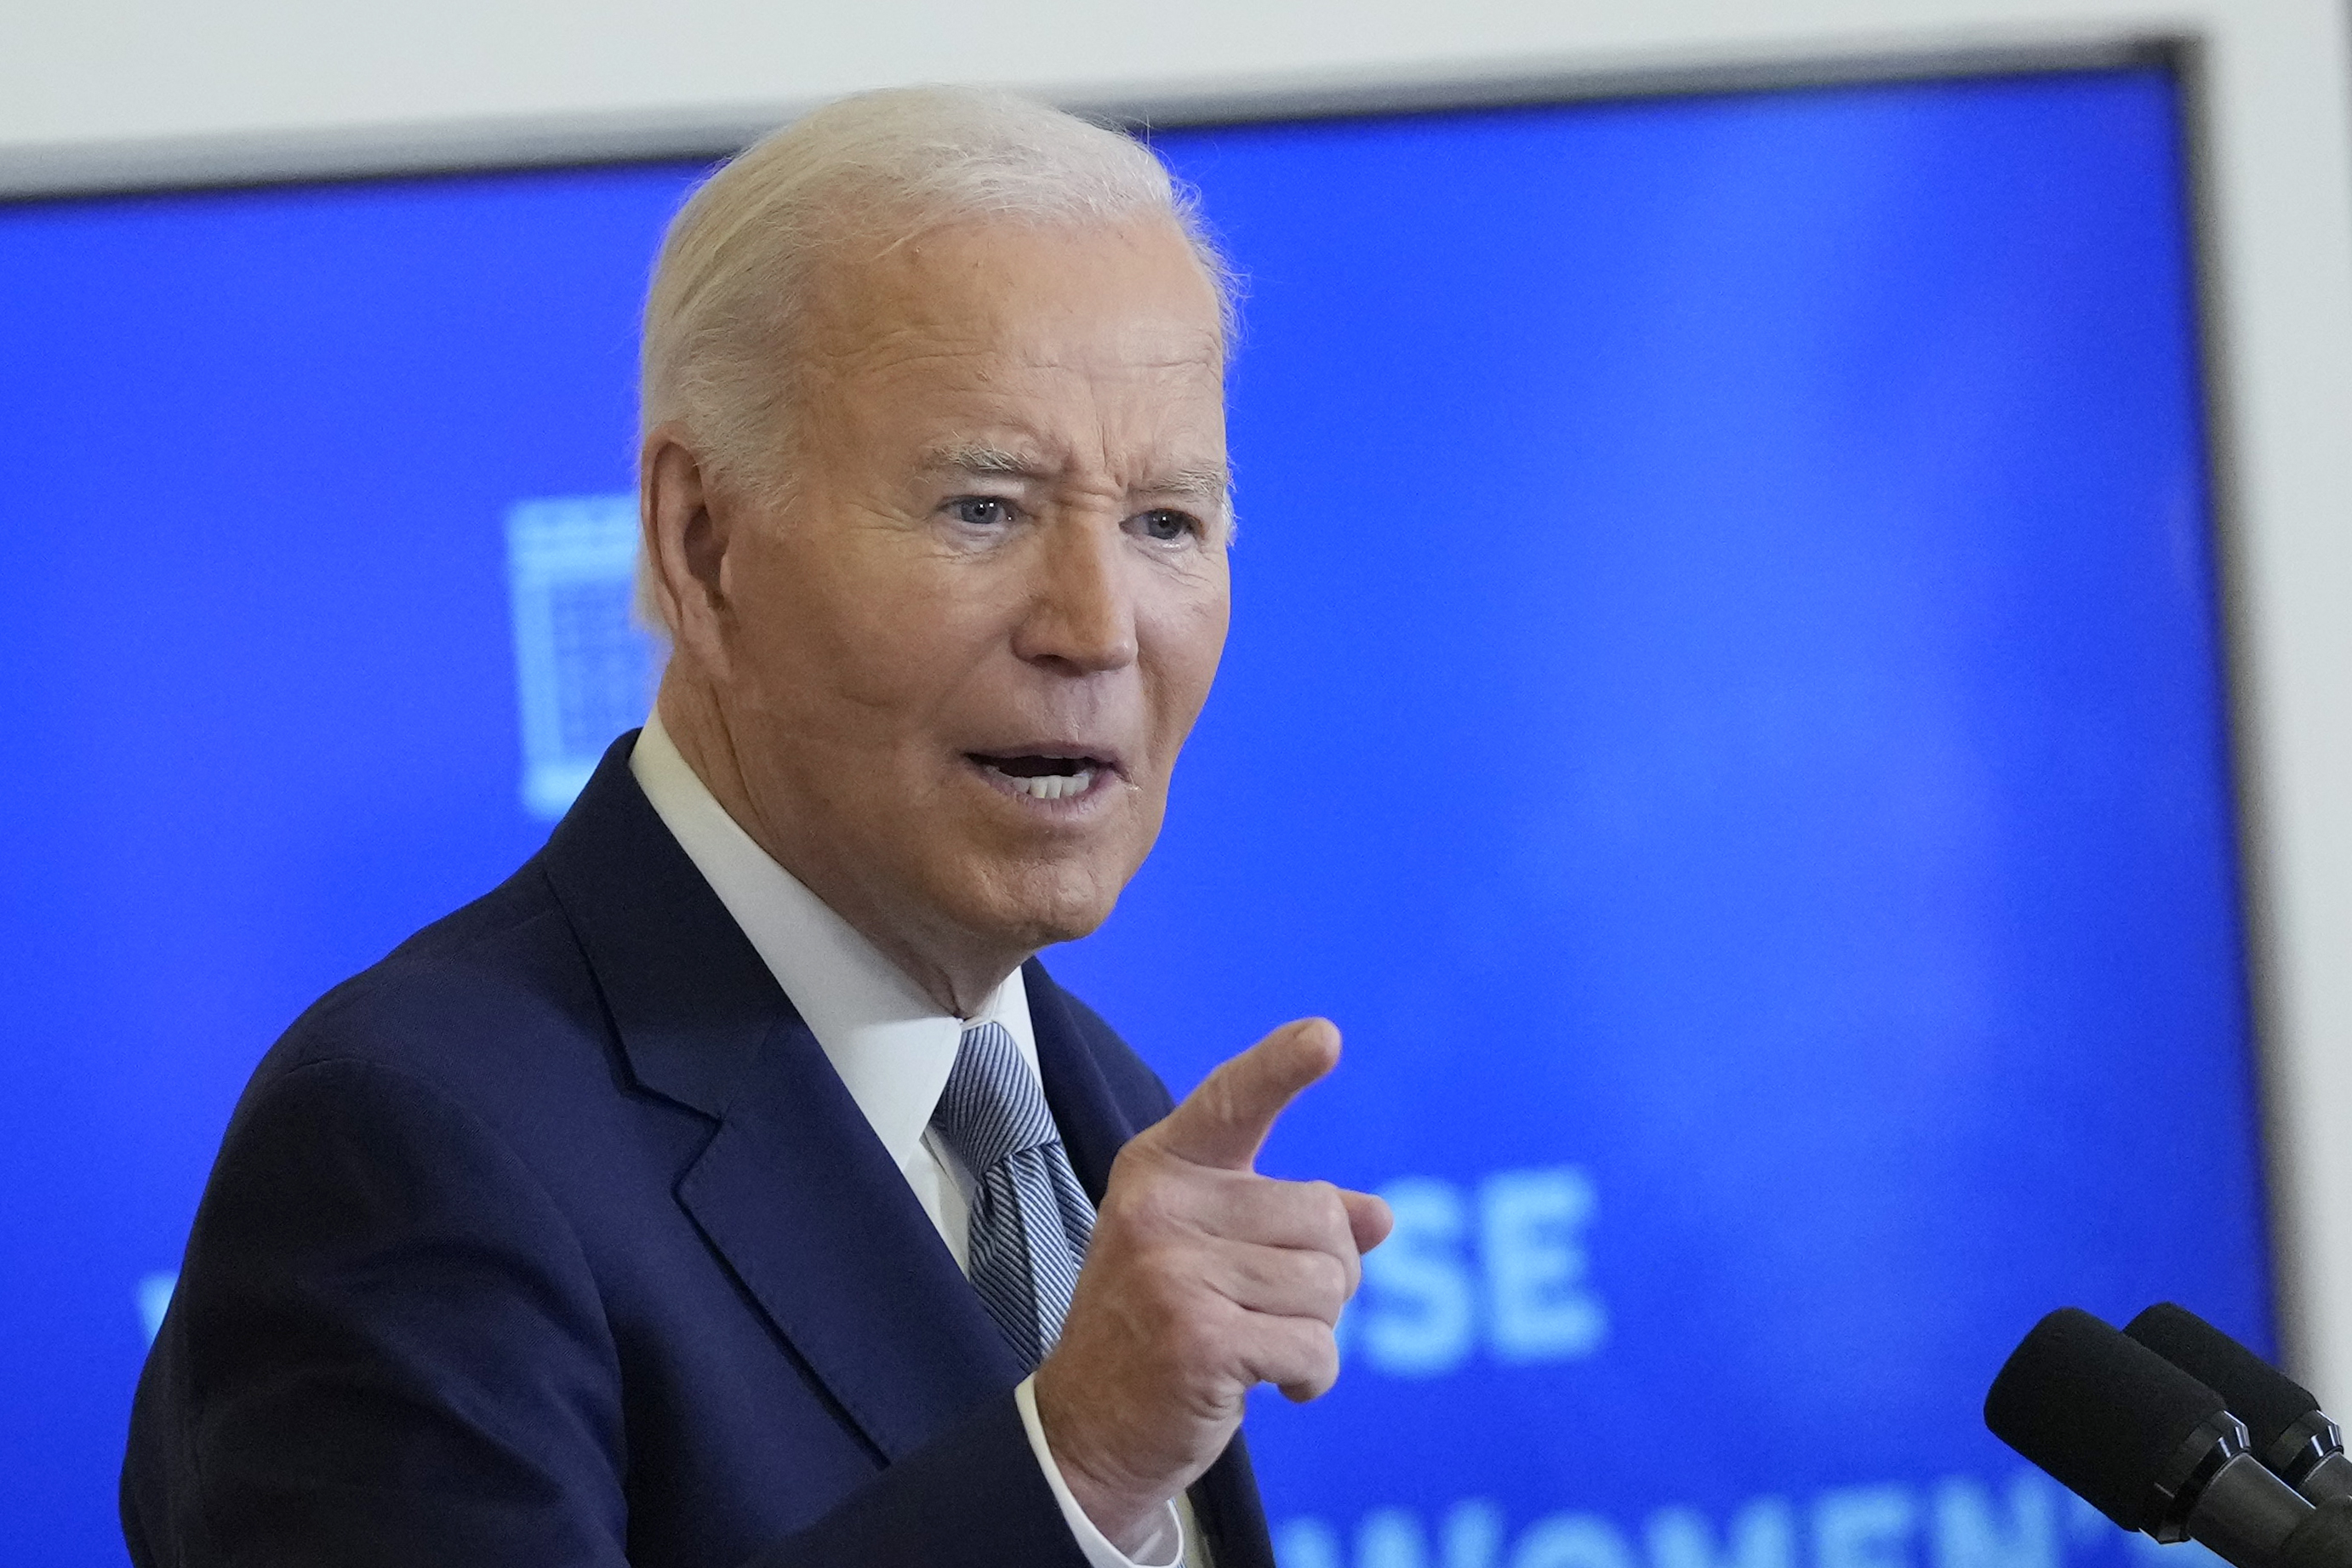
(891, 1045)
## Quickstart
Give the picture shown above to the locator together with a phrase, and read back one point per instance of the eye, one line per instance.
(1167, 526)
(980, 511)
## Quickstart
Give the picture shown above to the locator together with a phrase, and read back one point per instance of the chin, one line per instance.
(1032, 906)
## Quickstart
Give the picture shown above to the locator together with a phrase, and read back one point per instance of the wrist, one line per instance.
(1128, 1512)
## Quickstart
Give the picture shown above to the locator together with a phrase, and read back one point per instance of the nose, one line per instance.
(1081, 614)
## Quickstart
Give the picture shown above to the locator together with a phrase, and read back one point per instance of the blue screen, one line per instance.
(1725, 708)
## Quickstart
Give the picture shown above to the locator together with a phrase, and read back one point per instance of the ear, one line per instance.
(686, 537)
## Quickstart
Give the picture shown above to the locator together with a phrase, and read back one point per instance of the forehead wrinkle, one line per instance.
(894, 334)
(895, 328)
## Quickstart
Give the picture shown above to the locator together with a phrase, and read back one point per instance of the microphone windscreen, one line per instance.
(2266, 1399)
(2103, 1414)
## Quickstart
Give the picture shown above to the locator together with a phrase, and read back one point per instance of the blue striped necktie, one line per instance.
(1030, 1217)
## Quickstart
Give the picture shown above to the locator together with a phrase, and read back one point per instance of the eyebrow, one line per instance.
(994, 462)
(1202, 482)
(1214, 482)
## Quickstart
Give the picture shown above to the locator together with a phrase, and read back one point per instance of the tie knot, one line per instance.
(993, 1106)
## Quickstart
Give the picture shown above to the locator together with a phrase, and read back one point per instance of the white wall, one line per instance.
(100, 90)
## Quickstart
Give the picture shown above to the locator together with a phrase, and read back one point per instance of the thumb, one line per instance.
(1225, 1121)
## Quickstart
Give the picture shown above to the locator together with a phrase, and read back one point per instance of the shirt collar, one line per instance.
(890, 1044)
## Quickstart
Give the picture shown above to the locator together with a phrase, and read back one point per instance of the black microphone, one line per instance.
(2323, 1540)
(2147, 1445)
(2288, 1430)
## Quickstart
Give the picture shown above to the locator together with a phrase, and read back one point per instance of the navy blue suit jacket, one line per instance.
(553, 1239)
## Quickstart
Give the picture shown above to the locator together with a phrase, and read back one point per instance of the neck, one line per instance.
(958, 970)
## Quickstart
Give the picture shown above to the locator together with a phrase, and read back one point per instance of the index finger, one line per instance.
(1224, 1122)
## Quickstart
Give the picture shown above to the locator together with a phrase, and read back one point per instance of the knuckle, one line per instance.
(1331, 1210)
(1200, 1338)
(1312, 1208)
(1141, 1197)
(1301, 1275)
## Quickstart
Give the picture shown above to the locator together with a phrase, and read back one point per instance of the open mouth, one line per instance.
(1040, 777)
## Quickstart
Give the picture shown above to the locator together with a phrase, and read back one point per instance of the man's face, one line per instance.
(959, 659)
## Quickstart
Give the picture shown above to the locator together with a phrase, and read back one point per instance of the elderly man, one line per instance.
(731, 1185)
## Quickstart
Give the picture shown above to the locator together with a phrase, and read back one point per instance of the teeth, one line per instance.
(1051, 785)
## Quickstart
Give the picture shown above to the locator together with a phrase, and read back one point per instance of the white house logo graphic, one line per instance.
(583, 670)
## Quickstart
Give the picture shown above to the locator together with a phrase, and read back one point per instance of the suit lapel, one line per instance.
(687, 994)
(797, 1195)
(1092, 1125)
(794, 1192)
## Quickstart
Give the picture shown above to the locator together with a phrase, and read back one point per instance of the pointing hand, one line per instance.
(1203, 1279)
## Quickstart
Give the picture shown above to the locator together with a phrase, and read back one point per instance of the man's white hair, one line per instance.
(862, 174)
